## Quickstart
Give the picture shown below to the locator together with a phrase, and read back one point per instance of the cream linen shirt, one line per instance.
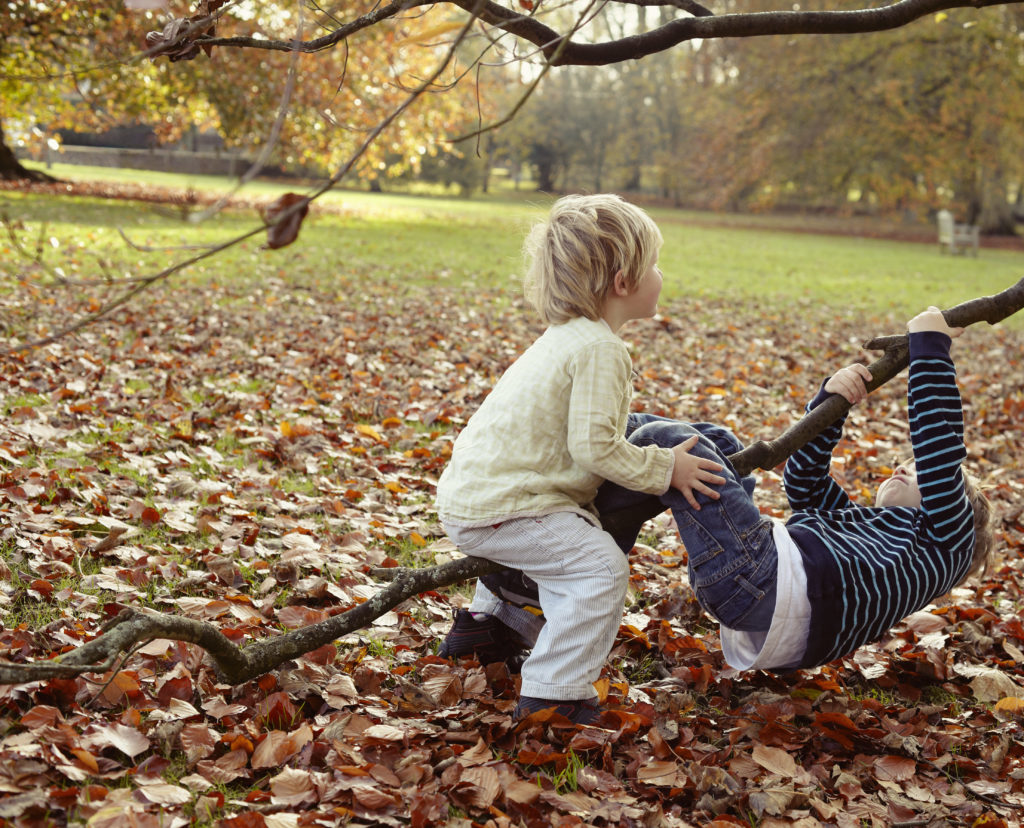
(550, 432)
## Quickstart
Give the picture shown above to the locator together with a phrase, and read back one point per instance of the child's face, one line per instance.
(900, 489)
(644, 300)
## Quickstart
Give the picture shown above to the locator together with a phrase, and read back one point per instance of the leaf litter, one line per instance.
(247, 456)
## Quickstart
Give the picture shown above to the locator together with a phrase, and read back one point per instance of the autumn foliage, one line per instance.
(247, 454)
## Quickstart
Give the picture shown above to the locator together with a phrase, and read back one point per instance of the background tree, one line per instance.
(83, 65)
(46, 51)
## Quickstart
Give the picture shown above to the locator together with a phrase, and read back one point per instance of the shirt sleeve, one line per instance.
(598, 408)
(937, 434)
(806, 478)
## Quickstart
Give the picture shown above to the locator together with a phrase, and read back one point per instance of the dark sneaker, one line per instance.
(584, 711)
(487, 639)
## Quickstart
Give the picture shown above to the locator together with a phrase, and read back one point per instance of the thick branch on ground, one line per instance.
(238, 664)
(703, 25)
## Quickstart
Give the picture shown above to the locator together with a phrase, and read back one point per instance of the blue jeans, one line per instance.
(733, 562)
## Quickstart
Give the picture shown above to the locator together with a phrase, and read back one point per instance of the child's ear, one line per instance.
(619, 284)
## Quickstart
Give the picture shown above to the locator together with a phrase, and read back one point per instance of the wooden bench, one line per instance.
(957, 238)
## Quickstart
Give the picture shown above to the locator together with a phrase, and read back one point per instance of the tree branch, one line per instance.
(767, 455)
(237, 664)
(559, 50)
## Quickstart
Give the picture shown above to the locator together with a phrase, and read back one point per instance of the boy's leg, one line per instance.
(733, 562)
(582, 578)
(483, 631)
(623, 512)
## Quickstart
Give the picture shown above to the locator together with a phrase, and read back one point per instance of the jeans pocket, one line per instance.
(701, 545)
(714, 548)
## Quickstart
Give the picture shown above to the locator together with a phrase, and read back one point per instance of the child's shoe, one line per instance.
(487, 639)
(583, 711)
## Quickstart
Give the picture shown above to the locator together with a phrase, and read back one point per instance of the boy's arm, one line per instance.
(937, 431)
(806, 478)
(598, 400)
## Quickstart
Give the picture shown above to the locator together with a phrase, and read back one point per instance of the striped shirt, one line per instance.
(550, 432)
(868, 567)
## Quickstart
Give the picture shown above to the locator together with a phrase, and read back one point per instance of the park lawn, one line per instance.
(475, 244)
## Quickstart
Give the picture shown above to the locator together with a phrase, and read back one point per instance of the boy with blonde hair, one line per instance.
(524, 472)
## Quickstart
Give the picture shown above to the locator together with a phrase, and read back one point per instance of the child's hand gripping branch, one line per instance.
(932, 320)
(849, 383)
(692, 474)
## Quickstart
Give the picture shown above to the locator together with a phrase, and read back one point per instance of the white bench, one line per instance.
(957, 238)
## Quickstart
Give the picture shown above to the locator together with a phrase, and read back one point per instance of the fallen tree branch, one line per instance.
(237, 664)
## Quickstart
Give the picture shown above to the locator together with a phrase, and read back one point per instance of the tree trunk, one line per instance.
(12, 170)
(239, 664)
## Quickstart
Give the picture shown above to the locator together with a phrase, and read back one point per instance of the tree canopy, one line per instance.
(728, 110)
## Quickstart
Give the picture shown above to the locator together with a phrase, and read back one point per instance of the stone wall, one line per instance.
(162, 160)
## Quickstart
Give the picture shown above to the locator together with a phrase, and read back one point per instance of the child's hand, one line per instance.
(692, 474)
(849, 382)
(932, 320)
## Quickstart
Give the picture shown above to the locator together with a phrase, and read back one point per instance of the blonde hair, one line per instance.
(984, 537)
(574, 254)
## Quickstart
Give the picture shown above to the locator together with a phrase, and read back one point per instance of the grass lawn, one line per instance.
(474, 244)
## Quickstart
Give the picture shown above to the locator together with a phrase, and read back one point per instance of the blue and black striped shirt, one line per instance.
(869, 567)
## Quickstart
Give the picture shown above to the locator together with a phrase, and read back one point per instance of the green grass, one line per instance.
(474, 245)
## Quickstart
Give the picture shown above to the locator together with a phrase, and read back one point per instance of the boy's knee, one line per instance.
(722, 437)
(664, 433)
(617, 571)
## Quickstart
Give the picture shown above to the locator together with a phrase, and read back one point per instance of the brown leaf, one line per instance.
(775, 760)
(177, 42)
(42, 715)
(895, 768)
(276, 710)
(198, 741)
(284, 218)
(292, 787)
(111, 541)
(162, 794)
(128, 740)
(278, 747)
(485, 783)
(661, 773)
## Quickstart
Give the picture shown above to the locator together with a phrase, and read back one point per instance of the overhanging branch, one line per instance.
(560, 50)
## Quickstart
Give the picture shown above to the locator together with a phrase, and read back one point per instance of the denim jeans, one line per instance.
(733, 562)
(732, 554)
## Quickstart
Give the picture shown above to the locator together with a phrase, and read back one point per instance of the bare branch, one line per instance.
(236, 664)
(767, 455)
(560, 50)
(328, 41)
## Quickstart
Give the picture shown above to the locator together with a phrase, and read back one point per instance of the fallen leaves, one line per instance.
(249, 462)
